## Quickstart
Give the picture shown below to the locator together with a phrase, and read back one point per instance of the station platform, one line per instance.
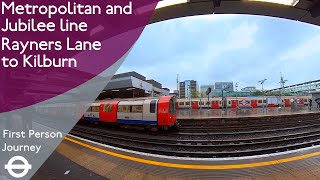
(108, 162)
(240, 112)
(60, 167)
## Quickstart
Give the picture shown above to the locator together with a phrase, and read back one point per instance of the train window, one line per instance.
(264, 101)
(89, 109)
(136, 108)
(305, 100)
(153, 106)
(107, 108)
(95, 108)
(259, 101)
(188, 103)
(201, 103)
(124, 108)
(229, 102)
(181, 103)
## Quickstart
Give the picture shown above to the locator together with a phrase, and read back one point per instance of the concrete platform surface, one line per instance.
(58, 166)
(114, 163)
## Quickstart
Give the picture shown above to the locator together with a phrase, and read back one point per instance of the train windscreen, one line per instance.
(172, 106)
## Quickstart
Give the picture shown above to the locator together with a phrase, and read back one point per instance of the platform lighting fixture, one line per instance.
(262, 82)
(283, 2)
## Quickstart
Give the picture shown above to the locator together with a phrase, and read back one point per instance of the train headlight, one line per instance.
(170, 117)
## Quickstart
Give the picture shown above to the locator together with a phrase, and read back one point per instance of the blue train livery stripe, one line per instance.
(91, 119)
(131, 121)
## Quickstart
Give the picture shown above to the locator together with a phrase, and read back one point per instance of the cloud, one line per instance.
(221, 48)
(194, 23)
(242, 37)
(303, 50)
(204, 61)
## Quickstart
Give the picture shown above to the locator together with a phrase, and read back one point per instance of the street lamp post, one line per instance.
(224, 103)
(282, 81)
(262, 82)
(237, 97)
(189, 92)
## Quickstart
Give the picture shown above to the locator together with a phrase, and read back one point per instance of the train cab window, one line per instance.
(181, 103)
(172, 107)
(153, 106)
(259, 101)
(107, 108)
(89, 109)
(136, 109)
(95, 108)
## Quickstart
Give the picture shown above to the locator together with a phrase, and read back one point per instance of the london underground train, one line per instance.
(241, 102)
(153, 112)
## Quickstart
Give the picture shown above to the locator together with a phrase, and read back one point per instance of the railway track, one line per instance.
(209, 142)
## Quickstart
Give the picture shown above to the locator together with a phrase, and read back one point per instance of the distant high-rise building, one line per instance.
(187, 88)
(226, 86)
(204, 88)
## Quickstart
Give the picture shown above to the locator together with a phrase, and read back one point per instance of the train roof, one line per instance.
(132, 99)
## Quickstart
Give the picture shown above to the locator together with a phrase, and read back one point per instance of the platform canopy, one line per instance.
(300, 10)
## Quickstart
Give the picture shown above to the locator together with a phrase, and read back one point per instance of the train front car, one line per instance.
(93, 112)
(167, 116)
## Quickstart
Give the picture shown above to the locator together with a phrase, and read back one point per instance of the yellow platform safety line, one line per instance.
(195, 166)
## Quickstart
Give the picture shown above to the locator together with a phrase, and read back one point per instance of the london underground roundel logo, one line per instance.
(25, 166)
(244, 102)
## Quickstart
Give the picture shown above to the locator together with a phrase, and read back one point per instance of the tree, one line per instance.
(195, 94)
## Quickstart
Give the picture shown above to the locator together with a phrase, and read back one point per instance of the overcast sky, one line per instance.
(238, 48)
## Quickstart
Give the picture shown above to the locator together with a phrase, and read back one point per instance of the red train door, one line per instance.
(254, 103)
(287, 102)
(234, 103)
(195, 105)
(108, 111)
(214, 104)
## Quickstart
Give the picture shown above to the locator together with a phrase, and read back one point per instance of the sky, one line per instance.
(239, 48)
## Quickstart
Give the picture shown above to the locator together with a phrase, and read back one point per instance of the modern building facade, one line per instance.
(187, 88)
(226, 86)
(204, 88)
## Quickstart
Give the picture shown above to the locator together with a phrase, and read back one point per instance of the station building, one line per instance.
(175, 93)
(249, 89)
(315, 96)
(132, 84)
